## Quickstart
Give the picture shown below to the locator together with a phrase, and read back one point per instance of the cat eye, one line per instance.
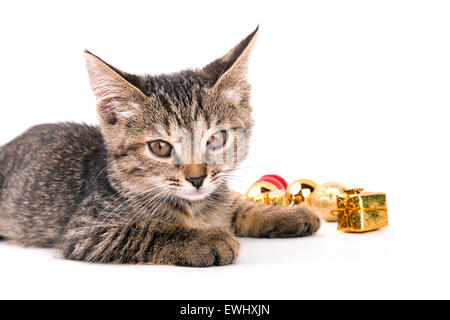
(217, 140)
(160, 148)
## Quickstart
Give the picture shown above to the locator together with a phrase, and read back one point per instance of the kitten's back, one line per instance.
(43, 175)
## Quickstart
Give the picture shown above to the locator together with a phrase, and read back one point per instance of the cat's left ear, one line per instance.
(229, 73)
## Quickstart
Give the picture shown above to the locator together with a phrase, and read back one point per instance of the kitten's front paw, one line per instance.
(297, 221)
(214, 247)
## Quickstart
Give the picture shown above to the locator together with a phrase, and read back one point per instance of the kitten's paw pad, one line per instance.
(214, 247)
(298, 221)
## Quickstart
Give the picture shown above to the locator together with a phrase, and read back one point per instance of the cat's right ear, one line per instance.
(116, 97)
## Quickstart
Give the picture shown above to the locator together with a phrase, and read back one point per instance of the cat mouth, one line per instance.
(195, 194)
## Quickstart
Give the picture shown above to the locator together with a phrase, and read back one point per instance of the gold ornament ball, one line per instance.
(300, 191)
(258, 189)
(323, 199)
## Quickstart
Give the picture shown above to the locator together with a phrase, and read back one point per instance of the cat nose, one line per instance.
(196, 181)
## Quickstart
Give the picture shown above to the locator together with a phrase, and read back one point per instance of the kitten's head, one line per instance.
(177, 135)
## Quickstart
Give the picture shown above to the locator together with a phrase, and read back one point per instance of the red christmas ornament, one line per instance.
(265, 184)
(274, 179)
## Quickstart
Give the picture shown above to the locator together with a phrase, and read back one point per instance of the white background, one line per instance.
(352, 91)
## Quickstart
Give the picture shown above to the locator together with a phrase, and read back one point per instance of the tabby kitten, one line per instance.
(150, 184)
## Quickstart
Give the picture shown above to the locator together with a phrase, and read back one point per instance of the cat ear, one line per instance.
(116, 97)
(229, 73)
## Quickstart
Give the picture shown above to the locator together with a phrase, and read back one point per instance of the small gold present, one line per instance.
(359, 211)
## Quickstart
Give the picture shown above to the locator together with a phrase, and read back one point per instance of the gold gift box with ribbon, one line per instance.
(359, 211)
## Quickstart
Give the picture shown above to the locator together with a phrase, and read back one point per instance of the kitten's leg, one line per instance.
(149, 242)
(251, 219)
